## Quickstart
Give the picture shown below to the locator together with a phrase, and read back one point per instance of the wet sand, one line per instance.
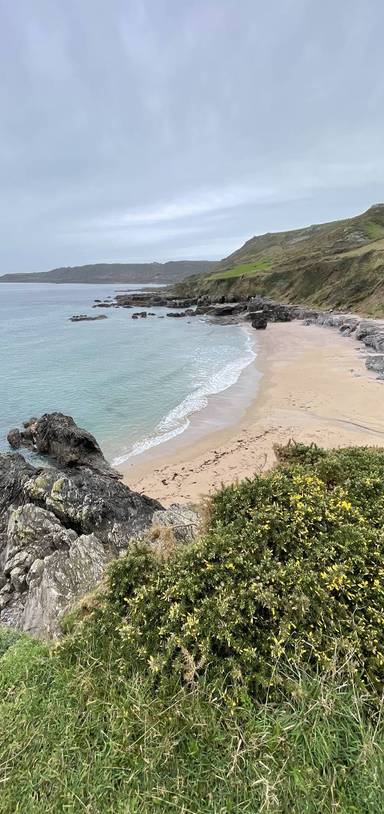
(307, 383)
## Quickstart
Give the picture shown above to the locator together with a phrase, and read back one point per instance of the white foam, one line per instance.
(178, 419)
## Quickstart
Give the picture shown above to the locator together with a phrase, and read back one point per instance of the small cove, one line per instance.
(135, 384)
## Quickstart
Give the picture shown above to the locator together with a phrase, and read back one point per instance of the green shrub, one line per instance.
(87, 738)
(292, 566)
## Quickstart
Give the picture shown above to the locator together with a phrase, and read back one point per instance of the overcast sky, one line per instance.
(139, 130)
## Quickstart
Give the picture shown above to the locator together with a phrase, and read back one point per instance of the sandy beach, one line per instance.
(307, 383)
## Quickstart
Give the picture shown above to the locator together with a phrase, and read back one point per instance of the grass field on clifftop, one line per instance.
(241, 673)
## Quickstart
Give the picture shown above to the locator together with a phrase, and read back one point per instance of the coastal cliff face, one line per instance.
(336, 265)
(62, 524)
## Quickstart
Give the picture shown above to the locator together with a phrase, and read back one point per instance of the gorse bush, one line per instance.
(291, 566)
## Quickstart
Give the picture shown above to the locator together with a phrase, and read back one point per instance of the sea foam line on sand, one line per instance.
(178, 419)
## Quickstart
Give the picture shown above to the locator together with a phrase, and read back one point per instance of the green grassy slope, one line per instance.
(241, 673)
(334, 265)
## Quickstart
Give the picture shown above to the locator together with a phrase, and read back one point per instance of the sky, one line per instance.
(142, 130)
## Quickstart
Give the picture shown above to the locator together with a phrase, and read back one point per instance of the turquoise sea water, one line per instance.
(133, 383)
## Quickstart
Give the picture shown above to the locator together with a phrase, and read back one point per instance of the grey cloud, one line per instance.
(157, 129)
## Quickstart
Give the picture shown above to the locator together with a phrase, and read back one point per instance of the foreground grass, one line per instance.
(82, 736)
(241, 673)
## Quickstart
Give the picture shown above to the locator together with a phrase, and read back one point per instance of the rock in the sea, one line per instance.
(58, 436)
(85, 318)
(14, 438)
(103, 305)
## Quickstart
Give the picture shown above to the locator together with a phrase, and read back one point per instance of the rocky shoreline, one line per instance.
(61, 523)
(258, 311)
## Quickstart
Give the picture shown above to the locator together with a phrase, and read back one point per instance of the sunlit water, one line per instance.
(133, 383)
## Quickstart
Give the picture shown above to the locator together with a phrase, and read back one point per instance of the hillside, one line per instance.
(333, 265)
(116, 273)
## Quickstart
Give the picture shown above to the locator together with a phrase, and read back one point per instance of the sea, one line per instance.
(135, 384)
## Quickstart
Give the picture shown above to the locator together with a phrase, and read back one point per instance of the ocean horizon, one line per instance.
(135, 384)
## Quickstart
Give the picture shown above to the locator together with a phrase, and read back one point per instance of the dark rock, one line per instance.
(366, 327)
(227, 309)
(259, 320)
(103, 305)
(278, 312)
(14, 472)
(139, 300)
(184, 303)
(348, 326)
(274, 311)
(139, 314)
(375, 341)
(14, 438)
(58, 436)
(85, 318)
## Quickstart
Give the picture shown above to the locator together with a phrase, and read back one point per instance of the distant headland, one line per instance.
(171, 272)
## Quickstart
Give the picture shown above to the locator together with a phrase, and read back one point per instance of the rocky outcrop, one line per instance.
(189, 312)
(99, 304)
(52, 580)
(226, 309)
(89, 502)
(61, 525)
(143, 299)
(58, 436)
